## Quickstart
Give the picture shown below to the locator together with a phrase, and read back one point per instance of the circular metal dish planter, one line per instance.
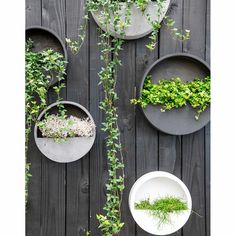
(139, 25)
(154, 185)
(176, 121)
(73, 148)
(44, 39)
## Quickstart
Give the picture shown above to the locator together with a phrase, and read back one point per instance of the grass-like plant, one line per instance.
(162, 208)
(175, 93)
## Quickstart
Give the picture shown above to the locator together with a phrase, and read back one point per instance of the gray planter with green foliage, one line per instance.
(179, 121)
(45, 39)
(139, 25)
(73, 148)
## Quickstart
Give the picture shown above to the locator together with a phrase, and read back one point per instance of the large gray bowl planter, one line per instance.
(176, 121)
(139, 25)
(73, 148)
(44, 39)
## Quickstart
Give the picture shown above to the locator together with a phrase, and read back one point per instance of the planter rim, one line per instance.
(138, 36)
(38, 27)
(69, 103)
(159, 174)
(188, 55)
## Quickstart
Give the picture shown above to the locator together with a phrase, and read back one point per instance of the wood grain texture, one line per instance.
(77, 184)
(34, 156)
(33, 12)
(98, 163)
(53, 174)
(193, 168)
(126, 111)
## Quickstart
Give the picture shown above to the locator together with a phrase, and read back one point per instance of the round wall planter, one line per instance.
(44, 39)
(176, 121)
(139, 25)
(73, 148)
(158, 184)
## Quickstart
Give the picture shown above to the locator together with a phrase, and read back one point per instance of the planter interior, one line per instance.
(155, 185)
(176, 121)
(73, 148)
(44, 39)
(139, 26)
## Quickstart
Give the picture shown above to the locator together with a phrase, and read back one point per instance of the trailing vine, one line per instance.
(110, 222)
(41, 68)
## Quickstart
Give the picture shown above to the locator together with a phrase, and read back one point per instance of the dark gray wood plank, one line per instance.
(34, 156)
(33, 12)
(207, 130)
(53, 174)
(98, 161)
(146, 135)
(77, 200)
(193, 169)
(126, 111)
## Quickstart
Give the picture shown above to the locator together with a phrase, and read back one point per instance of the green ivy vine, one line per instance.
(41, 68)
(110, 222)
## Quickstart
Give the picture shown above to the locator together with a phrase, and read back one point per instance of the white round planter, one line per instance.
(139, 25)
(154, 185)
(73, 148)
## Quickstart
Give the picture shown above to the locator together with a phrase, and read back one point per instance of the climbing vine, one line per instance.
(41, 68)
(110, 222)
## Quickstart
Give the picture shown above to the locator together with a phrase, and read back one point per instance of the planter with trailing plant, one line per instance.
(174, 94)
(65, 131)
(139, 13)
(42, 67)
(46, 39)
(160, 203)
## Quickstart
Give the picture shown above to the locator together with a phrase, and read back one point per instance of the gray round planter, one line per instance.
(139, 25)
(176, 121)
(44, 39)
(73, 148)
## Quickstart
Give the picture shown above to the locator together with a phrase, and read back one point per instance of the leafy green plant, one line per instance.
(162, 208)
(174, 93)
(41, 68)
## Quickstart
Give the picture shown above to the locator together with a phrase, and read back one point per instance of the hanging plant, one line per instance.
(41, 68)
(115, 17)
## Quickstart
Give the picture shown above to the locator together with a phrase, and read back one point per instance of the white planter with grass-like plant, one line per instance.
(159, 185)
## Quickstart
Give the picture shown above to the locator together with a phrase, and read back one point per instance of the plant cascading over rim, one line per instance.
(110, 12)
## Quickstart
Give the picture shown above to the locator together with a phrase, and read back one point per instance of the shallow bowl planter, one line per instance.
(73, 148)
(139, 25)
(176, 121)
(44, 39)
(158, 184)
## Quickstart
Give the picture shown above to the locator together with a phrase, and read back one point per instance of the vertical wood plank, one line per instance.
(126, 120)
(77, 205)
(34, 156)
(193, 168)
(53, 174)
(207, 129)
(146, 135)
(98, 161)
(33, 12)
